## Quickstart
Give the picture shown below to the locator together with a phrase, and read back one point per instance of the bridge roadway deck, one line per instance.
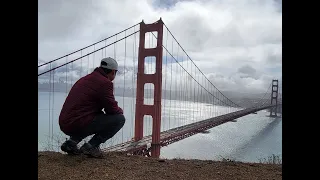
(176, 134)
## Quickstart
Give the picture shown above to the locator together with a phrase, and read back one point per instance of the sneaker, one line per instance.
(70, 147)
(91, 151)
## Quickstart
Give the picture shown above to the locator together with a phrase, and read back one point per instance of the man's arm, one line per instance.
(108, 101)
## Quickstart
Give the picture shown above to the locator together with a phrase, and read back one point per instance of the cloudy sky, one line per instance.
(236, 43)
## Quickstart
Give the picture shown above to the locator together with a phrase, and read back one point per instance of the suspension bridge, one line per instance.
(164, 94)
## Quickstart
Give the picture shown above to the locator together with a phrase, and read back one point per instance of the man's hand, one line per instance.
(108, 100)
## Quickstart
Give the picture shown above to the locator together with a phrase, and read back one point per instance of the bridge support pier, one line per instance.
(274, 98)
(156, 78)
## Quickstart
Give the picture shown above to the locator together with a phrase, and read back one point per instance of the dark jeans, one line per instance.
(103, 127)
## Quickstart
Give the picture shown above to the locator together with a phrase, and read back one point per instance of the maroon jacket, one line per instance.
(86, 99)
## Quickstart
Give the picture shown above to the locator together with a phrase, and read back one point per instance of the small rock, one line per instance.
(161, 160)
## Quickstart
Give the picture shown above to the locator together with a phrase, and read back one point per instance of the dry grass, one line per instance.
(54, 165)
(274, 159)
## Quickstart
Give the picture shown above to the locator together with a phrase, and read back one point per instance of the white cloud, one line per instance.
(220, 36)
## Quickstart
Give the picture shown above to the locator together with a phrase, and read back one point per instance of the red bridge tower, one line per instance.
(274, 98)
(156, 79)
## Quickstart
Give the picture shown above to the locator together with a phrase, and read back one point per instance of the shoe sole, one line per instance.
(69, 151)
(90, 155)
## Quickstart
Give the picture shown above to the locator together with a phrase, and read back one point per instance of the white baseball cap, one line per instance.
(109, 63)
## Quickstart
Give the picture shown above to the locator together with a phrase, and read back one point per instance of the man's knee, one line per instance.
(121, 119)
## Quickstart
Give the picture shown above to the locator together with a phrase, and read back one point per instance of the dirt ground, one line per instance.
(53, 166)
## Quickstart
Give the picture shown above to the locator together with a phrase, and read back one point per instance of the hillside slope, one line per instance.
(53, 165)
